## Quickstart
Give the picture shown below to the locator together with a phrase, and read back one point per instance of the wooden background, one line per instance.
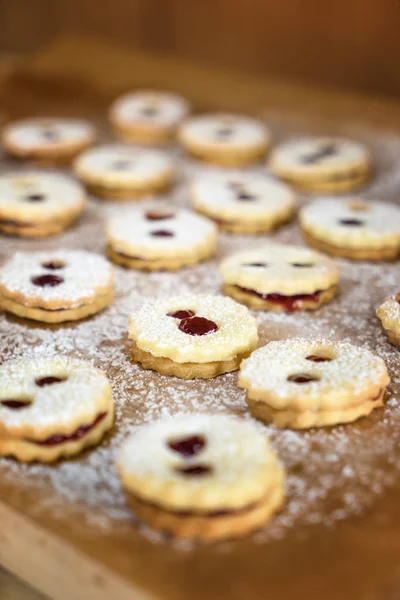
(350, 43)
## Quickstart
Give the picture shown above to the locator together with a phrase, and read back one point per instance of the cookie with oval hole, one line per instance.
(192, 336)
(328, 164)
(52, 407)
(302, 383)
(148, 116)
(50, 140)
(160, 238)
(36, 204)
(205, 477)
(353, 228)
(122, 172)
(389, 315)
(242, 202)
(225, 139)
(54, 286)
(280, 278)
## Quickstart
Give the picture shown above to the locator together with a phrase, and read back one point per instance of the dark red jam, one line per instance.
(79, 433)
(261, 265)
(302, 378)
(149, 111)
(35, 197)
(182, 314)
(194, 470)
(189, 446)
(302, 265)
(323, 152)
(290, 303)
(351, 222)
(245, 196)
(50, 135)
(53, 265)
(50, 380)
(224, 132)
(121, 165)
(318, 359)
(15, 404)
(162, 233)
(47, 280)
(197, 326)
(153, 215)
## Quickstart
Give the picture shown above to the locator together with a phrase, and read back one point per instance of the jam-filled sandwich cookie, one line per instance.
(160, 239)
(121, 172)
(34, 204)
(225, 139)
(301, 383)
(56, 285)
(353, 228)
(52, 140)
(243, 202)
(389, 314)
(280, 278)
(203, 477)
(192, 336)
(322, 163)
(52, 408)
(148, 116)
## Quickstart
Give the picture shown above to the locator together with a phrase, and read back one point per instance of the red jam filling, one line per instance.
(224, 132)
(302, 378)
(318, 359)
(290, 303)
(121, 165)
(50, 135)
(16, 404)
(149, 111)
(189, 446)
(323, 152)
(194, 470)
(78, 434)
(47, 280)
(182, 314)
(153, 215)
(162, 233)
(50, 380)
(351, 222)
(245, 196)
(34, 197)
(302, 265)
(197, 326)
(53, 265)
(261, 265)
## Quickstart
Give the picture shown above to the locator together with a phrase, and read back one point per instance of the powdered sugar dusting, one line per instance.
(332, 473)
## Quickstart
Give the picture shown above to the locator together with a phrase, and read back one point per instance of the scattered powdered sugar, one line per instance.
(333, 473)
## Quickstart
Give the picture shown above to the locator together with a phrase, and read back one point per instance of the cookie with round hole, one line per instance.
(389, 315)
(205, 477)
(301, 383)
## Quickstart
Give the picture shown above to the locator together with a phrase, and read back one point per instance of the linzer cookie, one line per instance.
(322, 163)
(121, 172)
(353, 228)
(389, 315)
(225, 139)
(36, 204)
(301, 383)
(205, 477)
(50, 140)
(56, 285)
(148, 116)
(192, 336)
(280, 278)
(160, 238)
(52, 408)
(243, 202)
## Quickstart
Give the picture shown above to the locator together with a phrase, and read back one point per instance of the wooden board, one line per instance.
(66, 529)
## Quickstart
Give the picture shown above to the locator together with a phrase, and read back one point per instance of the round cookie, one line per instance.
(353, 228)
(121, 172)
(280, 278)
(197, 336)
(242, 202)
(389, 315)
(52, 407)
(160, 239)
(201, 476)
(36, 204)
(225, 139)
(51, 140)
(322, 163)
(54, 286)
(301, 383)
(148, 116)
